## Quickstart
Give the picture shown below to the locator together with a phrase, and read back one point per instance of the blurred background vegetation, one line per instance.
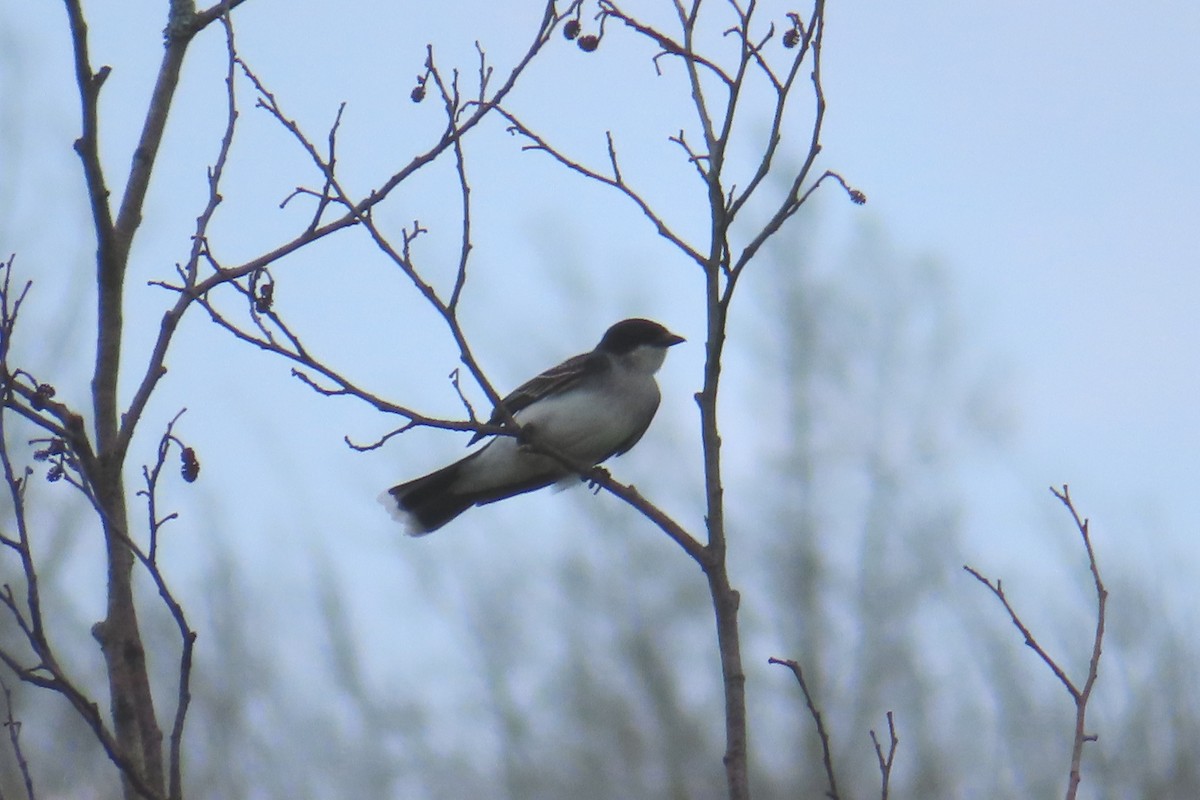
(591, 657)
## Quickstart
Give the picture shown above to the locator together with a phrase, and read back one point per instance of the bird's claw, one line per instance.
(595, 479)
(525, 438)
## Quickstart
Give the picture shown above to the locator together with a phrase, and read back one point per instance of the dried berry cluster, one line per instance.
(793, 35)
(587, 43)
(418, 92)
(54, 447)
(41, 395)
(264, 298)
(189, 465)
(57, 452)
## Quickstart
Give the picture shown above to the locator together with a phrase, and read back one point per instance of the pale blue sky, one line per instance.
(1049, 156)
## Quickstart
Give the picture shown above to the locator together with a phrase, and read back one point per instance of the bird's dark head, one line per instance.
(630, 334)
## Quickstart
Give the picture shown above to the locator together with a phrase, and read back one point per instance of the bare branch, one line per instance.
(356, 213)
(783, 93)
(628, 493)
(668, 45)
(87, 145)
(998, 590)
(203, 19)
(381, 441)
(615, 180)
(454, 381)
(695, 159)
(796, 195)
(1080, 696)
(332, 191)
(290, 348)
(14, 736)
(826, 756)
(1089, 683)
(217, 171)
(46, 672)
(885, 762)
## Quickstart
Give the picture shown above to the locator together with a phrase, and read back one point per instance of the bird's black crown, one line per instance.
(630, 334)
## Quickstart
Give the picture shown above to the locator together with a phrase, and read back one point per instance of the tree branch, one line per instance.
(1079, 696)
(886, 762)
(14, 736)
(826, 755)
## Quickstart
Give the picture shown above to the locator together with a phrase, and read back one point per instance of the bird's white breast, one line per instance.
(585, 424)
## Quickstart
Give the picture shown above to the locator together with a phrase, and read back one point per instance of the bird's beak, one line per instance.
(671, 339)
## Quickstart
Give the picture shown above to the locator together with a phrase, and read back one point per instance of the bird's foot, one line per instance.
(595, 479)
(525, 436)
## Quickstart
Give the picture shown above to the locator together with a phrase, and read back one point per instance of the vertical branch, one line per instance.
(725, 605)
(116, 242)
(31, 625)
(136, 724)
(1084, 695)
(886, 761)
(460, 164)
(687, 24)
(135, 743)
(88, 143)
(190, 469)
(717, 95)
(725, 599)
(14, 736)
(46, 672)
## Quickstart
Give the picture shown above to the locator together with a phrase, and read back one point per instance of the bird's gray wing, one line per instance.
(555, 380)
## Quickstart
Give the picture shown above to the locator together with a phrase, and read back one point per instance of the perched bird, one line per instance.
(587, 409)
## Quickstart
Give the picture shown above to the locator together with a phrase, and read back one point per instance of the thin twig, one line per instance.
(886, 762)
(997, 589)
(150, 475)
(14, 736)
(1079, 696)
(826, 753)
(1085, 694)
(47, 673)
(668, 45)
(155, 365)
(615, 180)
(457, 384)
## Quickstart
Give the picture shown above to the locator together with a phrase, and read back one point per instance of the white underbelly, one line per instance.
(586, 427)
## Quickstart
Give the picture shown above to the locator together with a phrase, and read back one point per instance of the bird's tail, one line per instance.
(425, 504)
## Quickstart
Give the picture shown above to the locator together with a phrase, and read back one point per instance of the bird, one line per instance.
(589, 408)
